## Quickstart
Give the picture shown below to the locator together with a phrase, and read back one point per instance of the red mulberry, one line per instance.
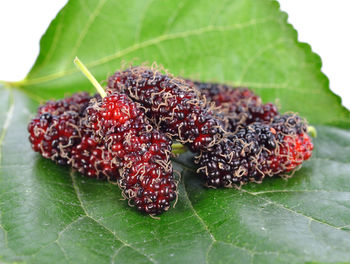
(56, 134)
(142, 153)
(54, 131)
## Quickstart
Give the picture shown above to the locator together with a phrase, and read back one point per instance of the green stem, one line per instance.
(312, 131)
(178, 148)
(91, 78)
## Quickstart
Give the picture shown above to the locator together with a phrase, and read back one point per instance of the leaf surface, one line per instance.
(50, 214)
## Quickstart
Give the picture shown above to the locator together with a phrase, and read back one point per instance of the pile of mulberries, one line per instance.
(263, 142)
(125, 136)
(111, 139)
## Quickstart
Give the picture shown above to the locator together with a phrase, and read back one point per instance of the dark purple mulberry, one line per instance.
(175, 107)
(256, 151)
(240, 105)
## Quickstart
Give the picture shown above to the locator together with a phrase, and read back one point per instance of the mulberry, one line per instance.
(294, 143)
(141, 152)
(256, 151)
(238, 159)
(76, 103)
(54, 131)
(240, 105)
(174, 106)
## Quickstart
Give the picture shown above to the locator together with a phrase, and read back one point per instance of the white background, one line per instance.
(325, 24)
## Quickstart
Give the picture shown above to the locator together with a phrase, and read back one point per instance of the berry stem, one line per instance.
(80, 65)
(312, 131)
(178, 148)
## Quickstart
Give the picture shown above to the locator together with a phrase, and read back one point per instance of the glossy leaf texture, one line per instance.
(51, 214)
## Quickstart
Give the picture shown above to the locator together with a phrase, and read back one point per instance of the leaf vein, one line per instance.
(116, 253)
(5, 232)
(291, 191)
(75, 186)
(85, 30)
(291, 210)
(53, 45)
(63, 251)
(196, 214)
(175, 14)
(144, 44)
(258, 54)
(208, 252)
(7, 123)
(142, 18)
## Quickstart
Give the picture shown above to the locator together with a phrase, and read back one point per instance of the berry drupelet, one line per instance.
(140, 152)
(171, 104)
(256, 151)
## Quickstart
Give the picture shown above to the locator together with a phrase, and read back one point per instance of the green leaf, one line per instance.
(50, 214)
